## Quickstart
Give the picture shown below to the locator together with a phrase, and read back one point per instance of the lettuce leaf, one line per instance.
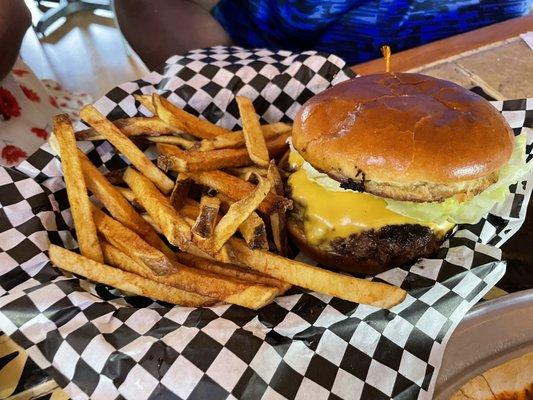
(470, 212)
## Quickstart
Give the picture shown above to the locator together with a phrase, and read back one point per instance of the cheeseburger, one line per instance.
(383, 166)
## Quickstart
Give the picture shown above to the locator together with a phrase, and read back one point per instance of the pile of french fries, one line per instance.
(204, 225)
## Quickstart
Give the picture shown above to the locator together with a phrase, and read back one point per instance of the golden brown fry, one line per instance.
(125, 192)
(253, 136)
(175, 229)
(146, 101)
(80, 206)
(128, 194)
(135, 126)
(245, 172)
(132, 244)
(174, 158)
(175, 140)
(117, 205)
(122, 280)
(180, 193)
(320, 280)
(94, 118)
(205, 223)
(183, 121)
(253, 231)
(230, 270)
(278, 222)
(237, 189)
(246, 294)
(253, 228)
(190, 209)
(236, 215)
(236, 138)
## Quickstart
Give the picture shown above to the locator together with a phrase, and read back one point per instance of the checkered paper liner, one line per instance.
(97, 343)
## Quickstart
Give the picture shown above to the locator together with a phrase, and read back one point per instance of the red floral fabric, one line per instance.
(30, 94)
(9, 106)
(39, 132)
(13, 154)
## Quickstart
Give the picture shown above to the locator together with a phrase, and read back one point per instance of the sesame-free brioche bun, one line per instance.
(404, 136)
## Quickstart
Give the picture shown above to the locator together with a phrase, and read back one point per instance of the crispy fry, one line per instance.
(146, 101)
(132, 244)
(136, 126)
(122, 280)
(175, 229)
(245, 172)
(230, 270)
(190, 209)
(206, 220)
(180, 193)
(94, 118)
(183, 121)
(253, 231)
(236, 215)
(231, 290)
(236, 138)
(253, 228)
(237, 189)
(253, 136)
(278, 222)
(117, 205)
(80, 205)
(174, 158)
(300, 274)
(175, 140)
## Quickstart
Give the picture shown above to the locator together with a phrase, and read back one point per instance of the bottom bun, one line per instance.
(370, 252)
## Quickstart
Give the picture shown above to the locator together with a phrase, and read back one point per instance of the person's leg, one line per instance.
(159, 29)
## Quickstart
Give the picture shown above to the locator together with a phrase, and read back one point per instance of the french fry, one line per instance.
(125, 192)
(117, 205)
(80, 205)
(278, 222)
(245, 172)
(146, 101)
(175, 140)
(180, 193)
(237, 213)
(176, 159)
(237, 189)
(206, 220)
(190, 209)
(175, 229)
(135, 126)
(230, 270)
(230, 290)
(122, 280)
(132, 244)
(236, 138)
(183, 121)
(253, 136)
(94, 118)
(253, 228)
(320, 280)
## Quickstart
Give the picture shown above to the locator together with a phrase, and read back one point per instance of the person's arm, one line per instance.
(159, 29)
(15, 19)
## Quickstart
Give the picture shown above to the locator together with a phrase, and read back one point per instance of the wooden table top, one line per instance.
(435, 52)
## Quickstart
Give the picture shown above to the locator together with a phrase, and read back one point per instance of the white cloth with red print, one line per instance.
(27, 105)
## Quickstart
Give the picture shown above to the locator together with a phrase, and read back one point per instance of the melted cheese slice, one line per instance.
(330, 211)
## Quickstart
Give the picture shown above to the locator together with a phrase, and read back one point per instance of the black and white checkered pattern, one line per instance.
(97, 343)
